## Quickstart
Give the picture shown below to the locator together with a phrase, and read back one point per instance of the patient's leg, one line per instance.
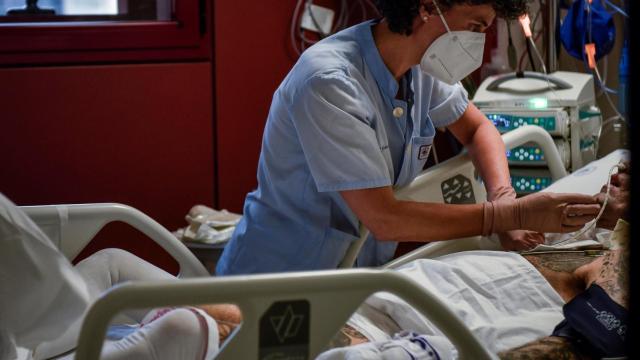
(178, 334)
(109, 267)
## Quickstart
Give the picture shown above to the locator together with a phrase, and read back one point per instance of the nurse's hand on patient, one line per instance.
(542, 212)
(514, 240)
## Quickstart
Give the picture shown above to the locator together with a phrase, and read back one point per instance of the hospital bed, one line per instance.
(309, 296)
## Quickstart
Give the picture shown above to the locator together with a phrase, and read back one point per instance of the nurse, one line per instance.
(355, 118)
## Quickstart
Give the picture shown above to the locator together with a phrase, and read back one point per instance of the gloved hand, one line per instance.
(542, 212)
(514, 240)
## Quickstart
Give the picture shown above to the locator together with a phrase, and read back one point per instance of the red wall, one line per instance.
(251, 59)
(136, 134)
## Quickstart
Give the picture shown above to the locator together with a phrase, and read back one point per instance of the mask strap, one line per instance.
(446, 26)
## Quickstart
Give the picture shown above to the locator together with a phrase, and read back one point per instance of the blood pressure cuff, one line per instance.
(595, 323)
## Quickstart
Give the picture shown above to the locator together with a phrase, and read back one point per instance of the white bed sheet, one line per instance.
(500, 296)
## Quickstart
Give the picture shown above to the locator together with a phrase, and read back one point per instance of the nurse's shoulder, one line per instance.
(335, 57)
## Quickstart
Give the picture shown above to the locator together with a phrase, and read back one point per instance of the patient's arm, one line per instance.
(559, 271)
(611, 272)
(551, 348)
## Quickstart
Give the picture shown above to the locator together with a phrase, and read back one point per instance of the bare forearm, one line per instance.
(487, 152)
(422, 222)
(551, 348)
(485, 146)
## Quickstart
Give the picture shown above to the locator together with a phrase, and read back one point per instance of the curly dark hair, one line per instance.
(401, 13)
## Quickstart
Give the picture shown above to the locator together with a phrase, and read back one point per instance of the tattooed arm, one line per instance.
(611, 272)
(551, 348)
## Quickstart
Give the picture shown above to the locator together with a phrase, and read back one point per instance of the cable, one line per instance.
(529, 54)
(616, 8)
(346, 12)
(536, 37)
(512, 55)
(606, 94)
(313, 19)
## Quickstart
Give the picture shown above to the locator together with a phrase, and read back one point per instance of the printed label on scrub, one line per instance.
(423, 152)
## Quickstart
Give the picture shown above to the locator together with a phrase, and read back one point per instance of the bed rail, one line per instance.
(257, 295)
(71, 227)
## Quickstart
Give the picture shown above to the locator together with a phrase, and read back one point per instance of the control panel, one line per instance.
(526, 181)
(531, 154)
(554, 121)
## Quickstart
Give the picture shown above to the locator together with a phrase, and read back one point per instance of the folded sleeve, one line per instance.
(448, 103)
(330, 115)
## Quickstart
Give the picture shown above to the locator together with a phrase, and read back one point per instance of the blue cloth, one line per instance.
(119, 332)
(595, 323)
(575, 29)
(331, 128)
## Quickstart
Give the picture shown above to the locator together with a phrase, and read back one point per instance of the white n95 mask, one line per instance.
(454, 55)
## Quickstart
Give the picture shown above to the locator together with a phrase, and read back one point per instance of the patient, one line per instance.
(610, 273)
(502, 323)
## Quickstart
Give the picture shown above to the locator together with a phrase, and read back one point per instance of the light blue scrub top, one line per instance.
(331, 127)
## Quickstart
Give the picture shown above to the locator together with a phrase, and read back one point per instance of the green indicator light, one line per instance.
(538, 103)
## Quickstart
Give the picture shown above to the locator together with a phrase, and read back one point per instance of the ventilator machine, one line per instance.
(562, 103)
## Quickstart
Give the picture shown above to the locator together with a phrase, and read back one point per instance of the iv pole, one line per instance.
(552, 35)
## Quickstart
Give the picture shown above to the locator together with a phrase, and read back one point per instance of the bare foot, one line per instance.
(227, 316)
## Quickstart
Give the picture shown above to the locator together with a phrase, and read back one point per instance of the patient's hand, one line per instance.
(518, 240)
(514, 240)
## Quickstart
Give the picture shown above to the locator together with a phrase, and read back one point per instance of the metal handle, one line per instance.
(495, 84)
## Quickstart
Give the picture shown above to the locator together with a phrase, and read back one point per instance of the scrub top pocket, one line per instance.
(415, 158)
(338, 241)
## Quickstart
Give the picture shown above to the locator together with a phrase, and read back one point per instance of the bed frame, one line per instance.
(309, 298)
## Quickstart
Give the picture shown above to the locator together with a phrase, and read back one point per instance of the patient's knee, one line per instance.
(106, 257)
(179, 321)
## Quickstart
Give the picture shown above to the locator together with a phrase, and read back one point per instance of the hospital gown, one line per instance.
(152, 333)
(43, 299)
(40, 294)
